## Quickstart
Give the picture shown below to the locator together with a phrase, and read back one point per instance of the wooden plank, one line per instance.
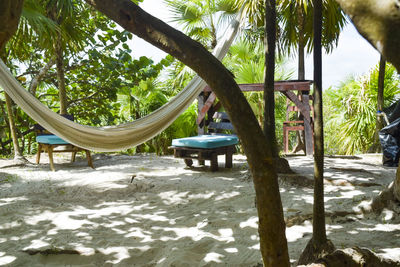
(308, 132)
(304, 107)
(200, 101)
(293, 85)
(207, 105)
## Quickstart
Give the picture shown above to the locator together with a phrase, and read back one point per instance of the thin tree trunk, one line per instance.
(319, 231)
(269, 92)
(13, 133)
(300, 135)
(319, 245)
(62, 93)
(273, 244)
(301, 65)
(10, 11)
(35, 81)
(376, 146)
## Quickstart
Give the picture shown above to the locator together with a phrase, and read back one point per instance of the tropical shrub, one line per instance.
(350, 111)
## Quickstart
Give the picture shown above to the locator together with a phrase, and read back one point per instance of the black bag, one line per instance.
(389, 137)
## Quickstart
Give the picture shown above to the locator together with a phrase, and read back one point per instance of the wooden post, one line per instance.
(308, 132)
(200, 127)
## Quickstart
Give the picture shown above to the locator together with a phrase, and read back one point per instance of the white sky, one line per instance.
(353, 56)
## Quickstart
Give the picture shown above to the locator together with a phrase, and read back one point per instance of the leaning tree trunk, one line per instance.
(273, 244)
(10, 12)
(319, 245)
(379, 23)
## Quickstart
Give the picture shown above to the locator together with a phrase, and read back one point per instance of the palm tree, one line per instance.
(352, 109)
(201, 19)
(296, 20)
(319, 245)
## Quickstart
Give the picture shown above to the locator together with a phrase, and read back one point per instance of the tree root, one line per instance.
(354, 257)
(301, 218)
(52, 251)
(343, 182)
(350, 169)
(296, 179)
(313, 252)
(385, 199)
(282, 165)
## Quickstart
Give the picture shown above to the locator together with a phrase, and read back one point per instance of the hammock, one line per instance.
(112, 138)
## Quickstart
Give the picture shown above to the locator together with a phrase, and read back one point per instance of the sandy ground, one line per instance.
(145, 210)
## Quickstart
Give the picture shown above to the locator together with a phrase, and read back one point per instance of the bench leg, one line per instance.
(50, 153)
(228, 159)
(188, 162)
(202, 162)
(89, 159)
(214, 162)
(73, 156)
(39, 151)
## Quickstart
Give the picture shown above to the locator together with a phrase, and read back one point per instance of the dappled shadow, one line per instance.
(154, 211)
(160, 218)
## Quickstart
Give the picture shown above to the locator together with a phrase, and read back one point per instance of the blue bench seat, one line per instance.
(206, 141)
(206, 147)
(50, 139)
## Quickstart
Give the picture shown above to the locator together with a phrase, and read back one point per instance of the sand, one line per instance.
(145, 210)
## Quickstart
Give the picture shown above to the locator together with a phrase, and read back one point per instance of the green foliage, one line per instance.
(247, 62)
(350, 111)
(97, 78)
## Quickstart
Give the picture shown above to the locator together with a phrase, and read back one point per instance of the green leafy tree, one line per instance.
(247, 62)
(352, 109)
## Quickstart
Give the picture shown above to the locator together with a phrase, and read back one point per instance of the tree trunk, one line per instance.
(376, 146)
(273, 244)
(10, 11)
(319, 232)
(282, 166)
(269, 91)
(13, 133)
(379, 23)
(35, 81)
(319, 244)
(301, 65)
(300, 135)
(396, 185)
(62, 92)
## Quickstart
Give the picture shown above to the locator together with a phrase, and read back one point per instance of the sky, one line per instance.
(353, 55)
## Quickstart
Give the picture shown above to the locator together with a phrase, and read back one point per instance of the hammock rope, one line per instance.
(112, 138)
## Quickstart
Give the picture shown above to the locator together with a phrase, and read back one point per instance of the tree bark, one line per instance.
(13, 133)
(10, 11)
(301, 65)
(319, 245)
(379, 23)
(273, 244)
(62, 92)
(319, 232)
(269, 92)
(35, 81)
(300, 135)
(379, 124)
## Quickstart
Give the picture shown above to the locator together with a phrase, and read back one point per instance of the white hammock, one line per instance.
(111, 138)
